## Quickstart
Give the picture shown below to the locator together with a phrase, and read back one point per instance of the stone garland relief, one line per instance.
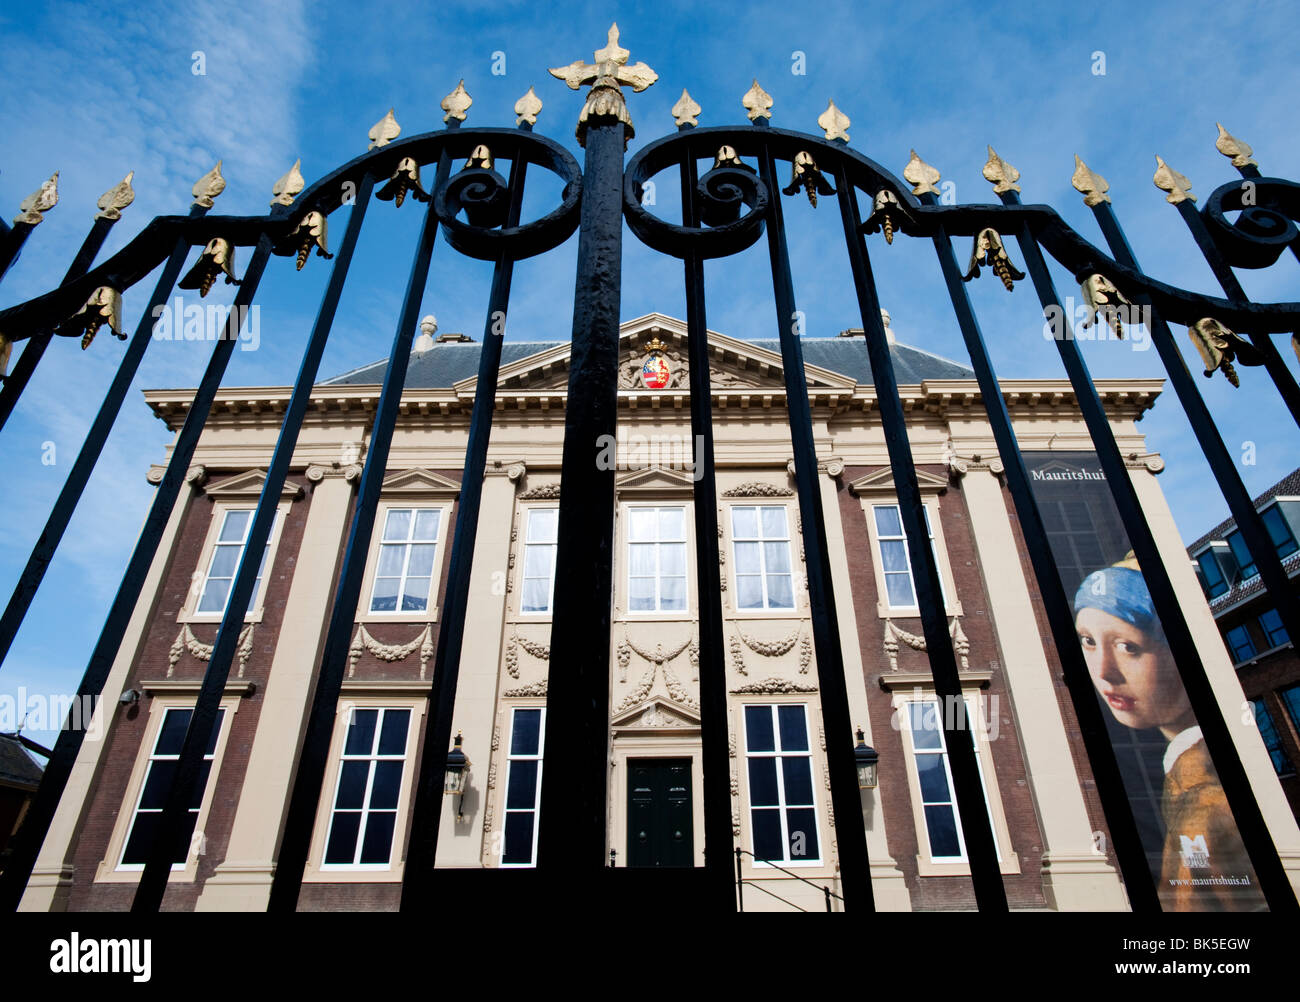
(537, 650)
(960, 643)
(187, 641)
(363, 641)
(771, 649)
(657, 659)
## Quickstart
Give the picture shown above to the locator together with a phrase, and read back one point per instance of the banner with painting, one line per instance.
(1192, 843)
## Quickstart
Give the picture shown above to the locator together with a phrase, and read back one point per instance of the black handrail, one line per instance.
(740, 881)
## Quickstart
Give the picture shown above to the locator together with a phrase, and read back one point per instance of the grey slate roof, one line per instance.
(445, 364)
(17, 767)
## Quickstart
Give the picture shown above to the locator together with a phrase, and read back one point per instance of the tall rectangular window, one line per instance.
(157, 782)
(779, 762)
(938, 797)
(364, 815)
(224, 562)
(539, 559)
(1279, 532)
(1239, 550)
(895, 558)
(761, 535)
(1240, 643)
(1271, 623)
(1272, 740)
(523, 786)
(656, 559)
(1290, 697)
(404, 572)
(1212, 579)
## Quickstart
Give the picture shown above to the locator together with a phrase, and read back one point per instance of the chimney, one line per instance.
(424, 341)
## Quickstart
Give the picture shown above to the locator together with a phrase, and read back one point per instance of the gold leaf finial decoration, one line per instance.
(686, 111)
(384, 131)
(834, 123)
(757, 102)
(527, 107)
(117, 198)
(103, 307)
(1089, 183)
(606, 74)
(988, 251)
(287, 188)
(209, 186)
(1230, 146)
(1000, 174)
(1104, 301)
(456, 104)
(218, 256)
(1168, 179)
(33, 208)
(1217, 346)
(921, 176)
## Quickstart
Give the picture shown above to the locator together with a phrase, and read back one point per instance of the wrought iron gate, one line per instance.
(735, 204)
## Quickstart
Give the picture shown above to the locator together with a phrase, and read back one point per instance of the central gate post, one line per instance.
(572, 836)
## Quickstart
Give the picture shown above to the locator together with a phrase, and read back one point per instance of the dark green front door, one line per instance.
(659, 813)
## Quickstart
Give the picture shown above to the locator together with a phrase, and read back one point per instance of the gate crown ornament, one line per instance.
(1234, 149)
(606, 74)
(1089, 183)
(208, 187)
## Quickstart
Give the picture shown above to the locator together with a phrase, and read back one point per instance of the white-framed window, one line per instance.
(760, 537)
(523, 786)
(406, 564)
(656, 558)
(895, 560)
(223, 561)
(540, 535)
(782, 810)
(368, 789)
(938, 805)
(159, 771)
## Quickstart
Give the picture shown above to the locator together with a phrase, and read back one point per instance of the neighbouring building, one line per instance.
(20, 775)
(1050, 834)
(1257, 642)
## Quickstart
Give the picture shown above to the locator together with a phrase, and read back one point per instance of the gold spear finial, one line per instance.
(1089, 183)
(834, 123)
(527, 107)
(686, 111)
(286, 189)
(384, 131)
(757, 102)
(117, 198)
(921, 176)
(605, 100)
(1168, 179)
(1238, 152)
(1000, 174)
(456, 104)
(33, 208)
(209, 186)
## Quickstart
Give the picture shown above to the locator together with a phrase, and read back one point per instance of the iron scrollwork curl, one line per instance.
(1269, 209)
(731, 186)
(483, 195)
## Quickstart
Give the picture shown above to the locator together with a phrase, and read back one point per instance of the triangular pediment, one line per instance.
(657, 713)
(419, 482)
(733, 363)
(248, 487)
(882, 482)
(655, 480)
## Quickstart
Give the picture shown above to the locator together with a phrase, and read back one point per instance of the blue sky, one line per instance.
(96, 89)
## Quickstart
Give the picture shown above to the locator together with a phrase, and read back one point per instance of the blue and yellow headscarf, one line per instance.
(1121, 591)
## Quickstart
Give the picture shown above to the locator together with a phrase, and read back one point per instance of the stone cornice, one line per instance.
(1124, 398)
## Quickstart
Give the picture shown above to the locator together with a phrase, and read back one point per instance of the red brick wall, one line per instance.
(940, 892)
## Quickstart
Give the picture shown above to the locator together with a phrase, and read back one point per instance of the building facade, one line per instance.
(1262, 653)
(1052, 840)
